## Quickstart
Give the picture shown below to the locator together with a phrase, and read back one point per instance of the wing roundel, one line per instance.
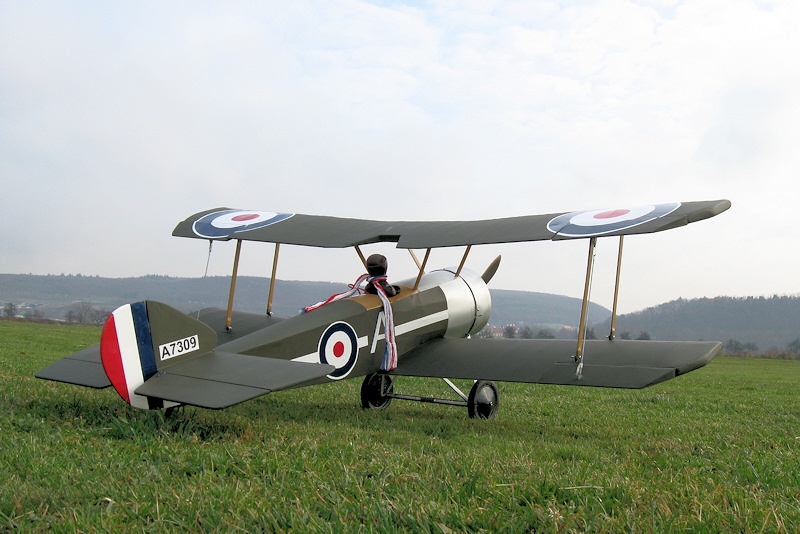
(224, 223)
(599, 222)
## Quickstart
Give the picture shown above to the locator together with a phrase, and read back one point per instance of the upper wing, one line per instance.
(336, 232)
(619, 363)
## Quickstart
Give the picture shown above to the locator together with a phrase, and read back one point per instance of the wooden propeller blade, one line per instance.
(491, 269)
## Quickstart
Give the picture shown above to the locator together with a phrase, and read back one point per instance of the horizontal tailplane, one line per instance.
(82, 368)
(220, 379)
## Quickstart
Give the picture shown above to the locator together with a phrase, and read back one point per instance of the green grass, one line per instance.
(717, 450)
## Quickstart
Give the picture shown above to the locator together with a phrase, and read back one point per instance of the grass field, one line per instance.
(714, 451)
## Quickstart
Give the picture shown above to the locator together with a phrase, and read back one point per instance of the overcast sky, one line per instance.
(119, 119)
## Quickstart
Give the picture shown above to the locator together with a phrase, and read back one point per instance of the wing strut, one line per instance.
(272, 279)
(613, 333)
(229, 314)
(463, 260)
(414, 257)
(587, 289)
(422, 268)
(361, 256)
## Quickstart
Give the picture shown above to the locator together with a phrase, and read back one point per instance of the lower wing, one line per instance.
(618, 363)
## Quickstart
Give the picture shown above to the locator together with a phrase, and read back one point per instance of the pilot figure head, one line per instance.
(376, 265)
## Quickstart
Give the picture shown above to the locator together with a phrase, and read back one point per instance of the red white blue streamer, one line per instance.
(355, 289)
(390, 352)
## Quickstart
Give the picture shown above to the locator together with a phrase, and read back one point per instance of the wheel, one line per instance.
(374, 390)
(483, 400)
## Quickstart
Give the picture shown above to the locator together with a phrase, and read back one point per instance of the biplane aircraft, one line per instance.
(157, 357)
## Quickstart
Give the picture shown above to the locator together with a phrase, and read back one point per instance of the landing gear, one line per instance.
(173, 411)
(377, 392)
(483, 400)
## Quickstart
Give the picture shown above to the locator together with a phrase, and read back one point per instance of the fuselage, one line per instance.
(350, 333)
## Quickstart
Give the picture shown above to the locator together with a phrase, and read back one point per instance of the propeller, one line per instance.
(491, 269)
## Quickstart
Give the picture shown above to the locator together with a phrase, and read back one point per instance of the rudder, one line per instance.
(140, 338)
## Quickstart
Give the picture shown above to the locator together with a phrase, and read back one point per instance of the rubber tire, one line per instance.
(483, 401)
(372, 398)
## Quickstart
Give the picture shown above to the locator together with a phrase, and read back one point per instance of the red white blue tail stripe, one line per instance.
(126, 350)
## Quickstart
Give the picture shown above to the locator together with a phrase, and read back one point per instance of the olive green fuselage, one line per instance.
(419, 317)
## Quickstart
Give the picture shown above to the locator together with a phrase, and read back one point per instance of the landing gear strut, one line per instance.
(377, 392)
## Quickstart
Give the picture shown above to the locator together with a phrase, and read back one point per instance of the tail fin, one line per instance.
(140, 338)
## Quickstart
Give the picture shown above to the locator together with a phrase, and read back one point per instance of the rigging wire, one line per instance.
(205, 274)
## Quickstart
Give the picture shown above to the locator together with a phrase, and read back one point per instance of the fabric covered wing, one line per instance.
(82, 368)
(619, 363)
(220, 379)
(336, 232)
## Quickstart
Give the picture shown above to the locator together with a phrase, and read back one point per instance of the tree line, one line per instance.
(512, 331)
(82, 312)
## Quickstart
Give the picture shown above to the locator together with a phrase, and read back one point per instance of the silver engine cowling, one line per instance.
(469, 303)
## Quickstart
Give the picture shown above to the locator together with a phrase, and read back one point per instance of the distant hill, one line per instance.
(762, 323)
(756, 324)
(541, 309)
(54, 295)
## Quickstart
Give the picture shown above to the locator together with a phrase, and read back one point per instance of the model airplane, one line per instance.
(158, 357)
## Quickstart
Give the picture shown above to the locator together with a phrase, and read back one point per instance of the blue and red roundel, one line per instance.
(599, 222)
(338, 346)
(221, 224)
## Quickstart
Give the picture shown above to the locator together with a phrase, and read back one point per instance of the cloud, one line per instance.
(117, 121)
